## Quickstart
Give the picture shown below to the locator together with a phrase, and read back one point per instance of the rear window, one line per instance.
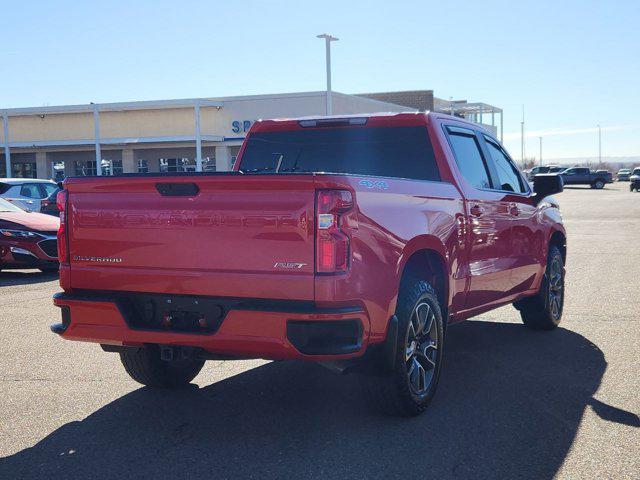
(402, 152)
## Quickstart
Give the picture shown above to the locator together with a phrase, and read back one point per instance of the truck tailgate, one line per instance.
(246, 236)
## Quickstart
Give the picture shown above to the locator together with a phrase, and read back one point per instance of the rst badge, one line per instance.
(290, 265)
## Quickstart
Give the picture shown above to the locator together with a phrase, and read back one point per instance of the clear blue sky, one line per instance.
(573, 64)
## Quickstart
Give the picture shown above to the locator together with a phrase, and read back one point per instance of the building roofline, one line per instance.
(375, 101)
(149, 104)
(114, 107)
(173, 103)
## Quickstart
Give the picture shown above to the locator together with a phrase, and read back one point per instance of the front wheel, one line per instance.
(410, 386)
(544, 310)
(145, 366)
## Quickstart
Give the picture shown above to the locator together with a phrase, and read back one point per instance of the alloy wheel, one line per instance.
(421, 351)
(556, 288)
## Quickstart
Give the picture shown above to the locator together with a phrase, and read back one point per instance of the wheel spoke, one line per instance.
(410, 350)
(426, 355)
(554, 305)
(416, 375)
(421, 315)
(430, 324)
(412, 332)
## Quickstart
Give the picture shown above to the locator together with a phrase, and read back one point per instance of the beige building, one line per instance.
(201, 134)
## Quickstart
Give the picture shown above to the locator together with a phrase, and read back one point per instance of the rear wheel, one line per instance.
(145, 366)
(598, 184)
(410, 386)
(544, 310)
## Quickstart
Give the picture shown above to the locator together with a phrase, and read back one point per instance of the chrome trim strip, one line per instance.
(22, 251)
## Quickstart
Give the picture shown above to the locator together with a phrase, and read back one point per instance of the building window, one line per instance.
(24, 170)
(209, 164)
(85, 168)
(111, 167)
(143, 166)
(172, 165)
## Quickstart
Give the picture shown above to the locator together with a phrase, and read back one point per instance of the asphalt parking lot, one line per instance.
(511, 404)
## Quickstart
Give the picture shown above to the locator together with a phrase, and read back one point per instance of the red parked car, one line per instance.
(353, 241)
(27, 239)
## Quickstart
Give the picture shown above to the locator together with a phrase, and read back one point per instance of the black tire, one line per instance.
(145, 366)
(598, 184)
(544, 310)
(410, 386)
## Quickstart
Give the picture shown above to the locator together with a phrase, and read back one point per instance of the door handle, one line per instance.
(514, 210)
(476, 211)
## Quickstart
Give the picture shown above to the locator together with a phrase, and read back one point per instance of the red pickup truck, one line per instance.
(351, 241)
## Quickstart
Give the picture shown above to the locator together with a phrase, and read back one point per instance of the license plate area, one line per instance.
(179, 313)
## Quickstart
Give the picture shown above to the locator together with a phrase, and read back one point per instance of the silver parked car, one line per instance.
(26, 193)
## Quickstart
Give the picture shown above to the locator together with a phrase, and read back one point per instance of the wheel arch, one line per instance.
(559, 239)
(425, 258)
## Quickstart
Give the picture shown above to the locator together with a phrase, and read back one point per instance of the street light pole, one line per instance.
(522, 137)
(327, 41)
(540, 138)
(599, 146)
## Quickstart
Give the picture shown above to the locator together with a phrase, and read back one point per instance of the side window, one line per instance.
(508, 177)
(48, 188)
(468, 157)
(30, 190)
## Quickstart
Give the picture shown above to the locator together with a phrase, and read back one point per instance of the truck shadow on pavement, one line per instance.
(28, 277)
(509, 405)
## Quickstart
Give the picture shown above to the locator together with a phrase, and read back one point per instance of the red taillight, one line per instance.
(332, 243)
(63, 247)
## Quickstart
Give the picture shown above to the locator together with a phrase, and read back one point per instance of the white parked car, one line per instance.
(26, 193)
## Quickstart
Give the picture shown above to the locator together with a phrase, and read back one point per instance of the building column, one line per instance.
(223, 159)
(128, 162)
(196, 111)
(96, 134)
(7, 150)
(43, 169)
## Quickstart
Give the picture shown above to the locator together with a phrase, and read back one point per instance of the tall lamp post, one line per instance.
(599, 147)
(522, 137)
(540, 138)
(327, 41)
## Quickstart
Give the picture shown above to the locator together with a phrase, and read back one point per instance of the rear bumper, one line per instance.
(278, 331)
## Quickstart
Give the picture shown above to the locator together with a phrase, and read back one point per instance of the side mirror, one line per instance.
(545, 184)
